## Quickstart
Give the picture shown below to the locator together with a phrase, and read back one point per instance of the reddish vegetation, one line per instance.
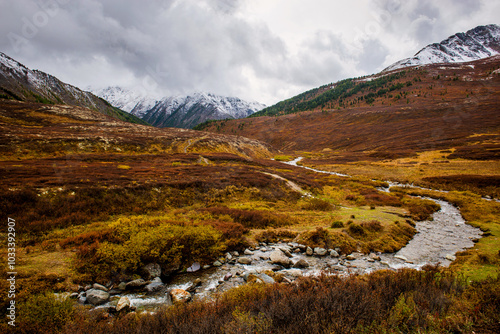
(443, 107)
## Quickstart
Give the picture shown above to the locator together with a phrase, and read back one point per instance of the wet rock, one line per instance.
(135, 284)
(266, 278)
(74, 295)
(151, 271)
(293, 272)
(156, 280)
(334, 253)
(122, 286)
(247, 252)
(286, 252)
(180, 296)
(374, 257)
(320, 251)
(278, 257)
(82, 299)
(194, 267)
(451, 257)
(123, 305)
(229, 256)
(154, 287)
(264, 257)
(205, 267)
(228, 276)
(196, 283)
(97, 297)
(87, 287)
(263, 249)
(401, 257)
(297, 250)
(301, 264)
(309, 251)
(235, 253)
(351, 257)
(247, 275)
(244, 260)
(98, 286)
(217, 263)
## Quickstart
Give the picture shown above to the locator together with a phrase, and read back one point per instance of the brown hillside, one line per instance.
(440, 106)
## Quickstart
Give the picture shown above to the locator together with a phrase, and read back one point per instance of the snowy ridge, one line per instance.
(178, 111)
(478, 43)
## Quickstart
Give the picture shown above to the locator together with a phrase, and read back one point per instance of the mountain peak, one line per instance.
(183, 111)
(477, 43)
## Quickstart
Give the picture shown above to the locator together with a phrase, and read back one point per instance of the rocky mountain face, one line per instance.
(18, 82)
(478, 43)
(179, 111)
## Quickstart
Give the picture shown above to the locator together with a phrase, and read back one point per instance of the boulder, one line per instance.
(334, 253)
(286, 252)
(278, 257)
(196, 283)
(154, 287)
(244, 260)
(320, 251)
(266, 278)
(151, 271)
(374, 256)
(194, 268)
(123, 305)
(136, 284)
(451, 257)
(217, 263)
(309, 251)
(122, 286)
(97, 297)
(180, 296)
(248, 252)
(301, 264)
(98, 286)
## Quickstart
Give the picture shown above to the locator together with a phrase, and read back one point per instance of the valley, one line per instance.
(281, 222)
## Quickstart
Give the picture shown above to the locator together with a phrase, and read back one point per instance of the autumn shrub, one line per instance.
(43, 313)
(421, 209)
(253, 218)
(232, 233)
(140, 244)
(272, 235)
(373, 226)
(321, 237)
(403, 301)
(356, 230)
(337, 224)
(318, 204)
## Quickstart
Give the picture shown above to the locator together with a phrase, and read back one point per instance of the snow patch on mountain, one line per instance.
(478, 43)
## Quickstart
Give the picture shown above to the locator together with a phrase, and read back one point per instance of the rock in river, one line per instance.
(97, 297)
(278, 257)
(180, 296)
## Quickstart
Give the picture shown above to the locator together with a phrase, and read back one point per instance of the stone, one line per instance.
(235, 253)
(194, 268)
(351, 257)
(278, 257)
(451, 257)
(151, 271)
(156, 280)
(123, 304)
(244, 260)
(248, 252)
(266, 278)
(180, 296)
(301, 264)
(320, 251)
(74, 295)
(286, 252)
(263, 249)
(229, 256)
(205, 267)
(196, 283)
(154, 287)
(136, 284)
(228, 276)
(217, 263)
(374, 256)
(334, 253)
(309, 251)
(297, 250)
(98, 286)
(293, 272)
(122, 286)
(400, 257)
(97, 297)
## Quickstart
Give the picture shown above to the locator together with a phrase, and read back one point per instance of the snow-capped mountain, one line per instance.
(478, 43)
(18, 82)
(178, 111)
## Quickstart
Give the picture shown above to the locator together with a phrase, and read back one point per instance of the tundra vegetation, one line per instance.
(96, 199)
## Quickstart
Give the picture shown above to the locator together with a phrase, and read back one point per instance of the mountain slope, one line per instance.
(17, 82)
(478, 43)
(179, 111)
(435, 106)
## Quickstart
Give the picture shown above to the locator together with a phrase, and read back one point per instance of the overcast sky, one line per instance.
(260, 50)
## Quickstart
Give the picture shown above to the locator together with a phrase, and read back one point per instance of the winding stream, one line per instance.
(436, 242)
